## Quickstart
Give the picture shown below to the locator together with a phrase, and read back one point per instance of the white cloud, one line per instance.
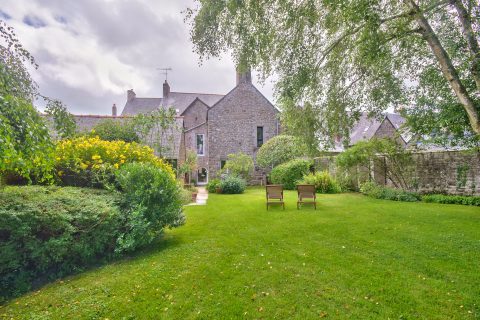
(91, 51)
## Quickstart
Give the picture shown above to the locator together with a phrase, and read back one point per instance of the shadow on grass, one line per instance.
(162, 243)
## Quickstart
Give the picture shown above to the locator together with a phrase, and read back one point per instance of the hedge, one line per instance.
(48, 232)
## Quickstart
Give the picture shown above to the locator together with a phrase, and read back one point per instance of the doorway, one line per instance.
(202, 176)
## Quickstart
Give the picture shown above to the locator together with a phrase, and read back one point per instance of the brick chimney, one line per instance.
(114, 110)
(131, 95)
(166, 89)
(244, 77)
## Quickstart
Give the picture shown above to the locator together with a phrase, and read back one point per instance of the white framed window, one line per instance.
(200, 143)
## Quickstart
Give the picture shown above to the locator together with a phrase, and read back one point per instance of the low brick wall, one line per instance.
(452, 172)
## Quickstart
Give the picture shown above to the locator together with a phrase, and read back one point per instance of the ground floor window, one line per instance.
(222, 163)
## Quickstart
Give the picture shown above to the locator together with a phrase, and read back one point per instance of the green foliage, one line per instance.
(239, 164)
(152, 201)
(290, 173)
(63, 122)
(157, 129)
(451, 199)
(185, 196)
(190, 164)
(213, 185)
(334, 60)
(396, 161)
(278, 150)
(112, 130)
(233, 185)
(49, 232)
(15, 80)
(324, 183)
(25, 146)
(373, 190)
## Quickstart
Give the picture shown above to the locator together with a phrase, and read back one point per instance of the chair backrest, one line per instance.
(274, 190)
(306, 189)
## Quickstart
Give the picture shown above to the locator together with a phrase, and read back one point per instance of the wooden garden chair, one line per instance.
(275, 195)
(306, 194)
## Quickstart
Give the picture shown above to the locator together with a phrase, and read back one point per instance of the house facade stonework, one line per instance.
(214, 126)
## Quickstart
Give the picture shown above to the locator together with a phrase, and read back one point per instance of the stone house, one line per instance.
(214, 125)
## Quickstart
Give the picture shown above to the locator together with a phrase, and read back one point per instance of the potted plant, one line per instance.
(188, 166)
(194, 193)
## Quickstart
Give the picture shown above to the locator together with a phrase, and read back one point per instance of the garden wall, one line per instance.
(452, 172)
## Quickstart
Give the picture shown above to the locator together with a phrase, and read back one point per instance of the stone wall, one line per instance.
(233, 121)
(452, 172)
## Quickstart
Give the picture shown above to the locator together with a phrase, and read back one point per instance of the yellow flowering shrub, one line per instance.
(82, 157)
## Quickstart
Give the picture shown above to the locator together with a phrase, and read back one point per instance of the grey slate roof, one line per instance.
(176, 100)
(364, 128)
(141, 105)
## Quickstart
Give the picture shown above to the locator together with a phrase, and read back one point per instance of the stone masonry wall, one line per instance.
(195, 118)
(451, 172)
(233, 121)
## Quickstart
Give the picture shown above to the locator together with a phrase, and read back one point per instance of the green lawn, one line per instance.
(354, 257)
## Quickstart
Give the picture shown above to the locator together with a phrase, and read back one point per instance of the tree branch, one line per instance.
(471, 39)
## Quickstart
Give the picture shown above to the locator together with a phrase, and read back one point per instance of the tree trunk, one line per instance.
(471, 39)
(446, 65)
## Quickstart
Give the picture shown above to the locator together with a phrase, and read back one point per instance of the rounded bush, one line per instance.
(290, 173)
(233, 185)
(152, 201)
(278, 150)
(324, 183)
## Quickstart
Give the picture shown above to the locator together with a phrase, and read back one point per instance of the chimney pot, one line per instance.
(131, 95)
(244, 77)
(166, 89)
(114, 110)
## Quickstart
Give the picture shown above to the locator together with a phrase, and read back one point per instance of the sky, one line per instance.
(90, 52)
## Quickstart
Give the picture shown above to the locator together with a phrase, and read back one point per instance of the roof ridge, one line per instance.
(211, 94)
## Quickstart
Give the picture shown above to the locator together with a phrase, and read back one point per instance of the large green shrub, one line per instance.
(278, 150)
(151, 200)
(452, 199)
(374, 190)
(239, 164)
(47, 232)
(324, 183)
(120, 129)
(290, 173)
(25, 146)
(233, 185)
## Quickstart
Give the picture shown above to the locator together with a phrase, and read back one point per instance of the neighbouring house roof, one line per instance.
(366, 127)
(141, 105)
(177, 100)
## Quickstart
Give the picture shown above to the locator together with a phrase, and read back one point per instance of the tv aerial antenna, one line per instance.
(165, 72)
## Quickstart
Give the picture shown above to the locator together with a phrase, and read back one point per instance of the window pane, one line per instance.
(259, 136)
(200, 144)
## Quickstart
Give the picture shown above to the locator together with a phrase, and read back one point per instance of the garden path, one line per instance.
(202, 196)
